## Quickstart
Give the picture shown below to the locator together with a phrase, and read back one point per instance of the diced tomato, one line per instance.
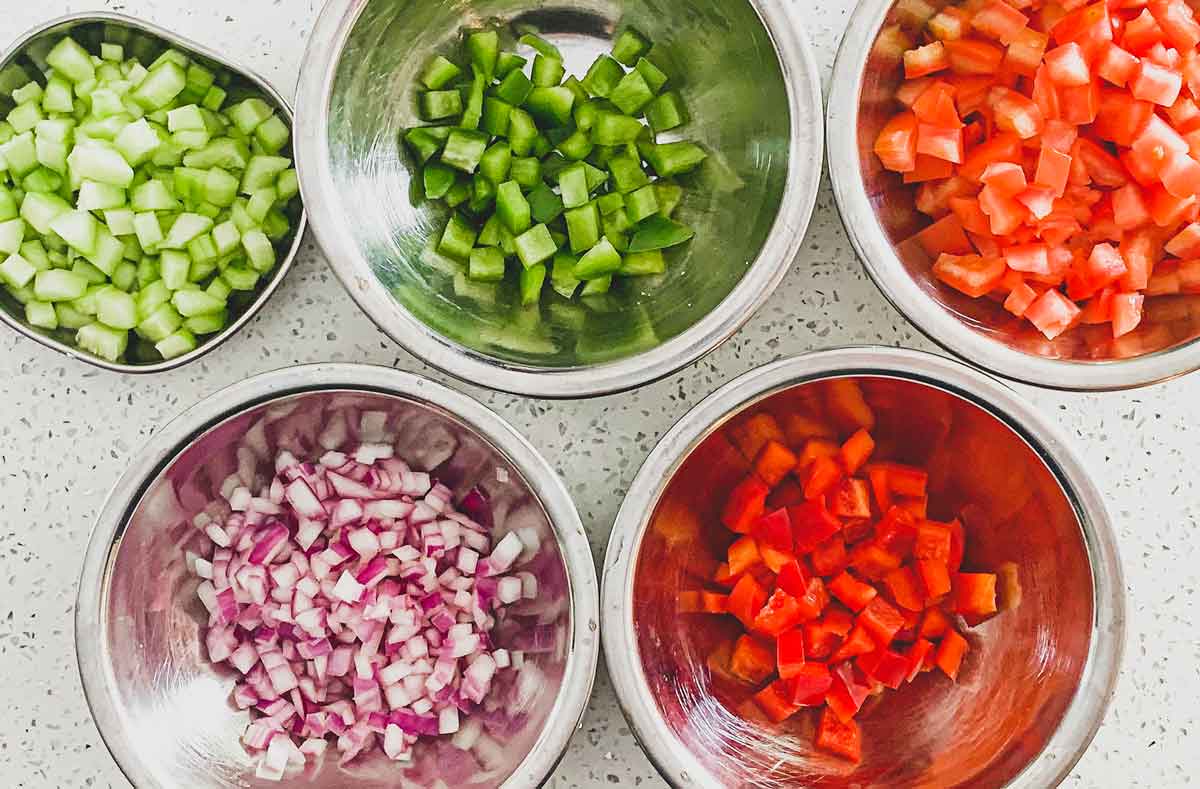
(944, 236)
(745, 505)
(1038, 200)
(1032, 258)
(971, 56)
(885, 666)
(1129, 207)
(970, 274)
(949, 24)
(1127, 312)
(1186, 243)
(752, 660)
(1024, 54)
(1162, 56)
(1167, 210)
(881, 620)
(1001, 148)
(896, 145)
(1080, 105)
(1005, 178)
(1116, 65)
(929, 169)
(1140, 250)
(1052, 313)
(810, 682)
(975, 594)
(746, 599)
(1104, 266)
(928, 59)
(911, 90)
(999, 20)
(1015, 113)
(830, 557)
(839, 737)
(857, 642)
(970, 215)
(846, 695)
(1053, 170)
(940, 142)
(1175, 19)
(1090, 26)
(1098, 308)
(775, 701)
(1141, 33)
(936, 106)
(1184, 116)
(1067, 66)
(1157, 84)
(1103, 168)
(1181, 175)
(950, 653)
(1019, 299)
(851, 592)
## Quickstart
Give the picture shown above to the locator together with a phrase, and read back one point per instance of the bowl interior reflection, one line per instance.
(720, 57)
(1170, 320)
(175, 708)
(1024, 665)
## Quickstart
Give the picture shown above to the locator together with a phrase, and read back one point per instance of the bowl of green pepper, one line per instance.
(563, 199)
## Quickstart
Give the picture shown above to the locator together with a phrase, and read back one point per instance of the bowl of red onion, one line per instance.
(333, 574)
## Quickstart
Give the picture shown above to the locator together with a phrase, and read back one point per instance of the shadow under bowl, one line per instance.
(1036, 681)
(751, 88)
(881, 218)
(165, 712)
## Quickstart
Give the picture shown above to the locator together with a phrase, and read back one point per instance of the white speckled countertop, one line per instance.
(67, 431)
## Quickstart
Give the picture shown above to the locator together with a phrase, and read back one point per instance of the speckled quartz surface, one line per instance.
(67, 431)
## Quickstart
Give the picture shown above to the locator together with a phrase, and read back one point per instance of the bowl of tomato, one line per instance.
(1023, 183)
(863, 567)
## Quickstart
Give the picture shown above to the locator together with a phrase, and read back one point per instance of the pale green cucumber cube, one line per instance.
(177, 344)
(71, 61)
(116, 309)
(148, 230)
(41, 314)
(119, 221)
(161, 323)
(105, 342)
(78, 229)
(58, 285)
(17, 271)
(186, 227)
(12, 236)
(259, 250)
(95, 196)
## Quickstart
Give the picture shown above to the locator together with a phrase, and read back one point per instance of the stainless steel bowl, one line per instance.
(165, 713)
(752, 87)
(879, 213)
(1035, 686)
(91, 24)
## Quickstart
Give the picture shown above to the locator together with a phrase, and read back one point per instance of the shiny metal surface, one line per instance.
(879, 213)
(91, 23)
(1035, 686)
(166, 715)
(751, 86)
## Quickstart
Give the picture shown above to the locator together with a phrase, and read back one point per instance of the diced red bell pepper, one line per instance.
(830, 557)
(970, 274)
(851, 592)
(857, 450)
(812, 524)
(975, 595)
(950, 653)
(958, 545)
(855, 531)
(701, 602)
(972, 56)
(774, 529)
(747, 599)
(753, 660)
(723, 577)
(896, 532)
(838, 619)
(810, 682)
(814, 449)
(750, 434)
(885, 666)
(857, 642)
(841, 738)
(882, 621)
(786, 494)
(873, 561)
(903, 586)
(917, 654)
(743, 554)
(917, 507)
(775, 701)
(935, 576)
(934, 624)
(846, 695)
(925, 60)
(789, 653)
(813, 601)
(906, 480)
(880, 486)
(852, 499)
(774, 462)
(745, 505)
(792, 579)
(775, 559)
(781, 612)
(820, 639)
(823, 474)
(1052, 313)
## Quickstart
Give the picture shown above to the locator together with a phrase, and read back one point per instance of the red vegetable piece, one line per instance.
(1126, 312)
(1067, 65)
(873, 561)
(723, 577)
(935, 576)
(820, 639)
(1016, 113)
(881, 620)
(944, 236)
(971, 274)
(950, 653)
(1003, 147)
(1024, 54)
(1129, 207)
(851, 592)
(830, 557)
(839, 737)
(858, 642)
(752, 660)
(1181, 175)
(743, 554)
(885, 666)
(747, 599)
(917, 654)
(775, 701)
(1178, 24)
(789, 653)
(1141, 33)
(940, 142)
(774, 529)
(781, 612)
(999, 20)
(896, 532)
(846, 695)
(904, 588)
(1031, 258)
(957, 545)
(936, 106)
(1005, 178)
(812, 524)
(792, 579)
(814, 600)
(925, 60)
(1019, 299)
(810, 682)
(971, 56)
(934, 624)
(774, 462)
(1052, 313)
(975, 595)
(1080, 105)
(745, 505)
(852, 499)
(1156, 84)
(775, 559)
(823, 474)
(1116, 65)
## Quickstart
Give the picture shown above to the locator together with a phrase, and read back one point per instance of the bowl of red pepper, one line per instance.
(1020, 180)
(863, 567)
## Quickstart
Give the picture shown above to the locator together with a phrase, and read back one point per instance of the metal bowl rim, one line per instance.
(801, 75)
(1086, 710)
(907, 296)
(173, 438)
(282, 267)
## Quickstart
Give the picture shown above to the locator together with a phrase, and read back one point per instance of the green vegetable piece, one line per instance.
(484, 50)
(544, 204)
(496, 113)
(596, 287)
(240, 278)
(562, 275)
(438, 104)
(422, 143)
(71, 60)
(93, 275)
(115, 309)
(196, 302)
(57, 285)
(541, 45)
(458, 239)
(58, 96)
(483, 193)
(98, 339)
(78, 229)
(185, 228)
(552, 106)
(595, 177)
(512, 208)
(613, 128)
(214, 97)
(583, 227)
(260, 203)
(655, 77)
(630, 45)
(666, 112)
(101, 163)
(179, 343)
(272, 135)
(162, 85)
(18, 272)
(220, 188)
(489, 236)
(535, 245)
(25, 116)
(69, 317)
(532, 280)
(675, 158)
(439, 73)
(160, 321)
(153, 195)
(29, 92)
(187, 118)
(640, 264)
(12, 236)
(631, 94)
(437, 180)
(610, 203)
(20, 154)
(577, 146)
(547, 71)
(526, 171)
(572, 183)
(599, 261)
(41, 314)
(495, 163)
(603, 76)
(473, 112)
(175, 266)
(40, 210)
(507, 63)
(138, 141)
(211, 323)
(464, 149)
(522, 132)
(514, 88)
(486, 264)
(641, 204)
(42, 180)
(124, 276)
(542, 145)
(669, 195)
(459, 193)
(8, 205)
(259, 250)
(288, 184)
(627, 173)
(248, 114)
(658, 232)
(575, 86)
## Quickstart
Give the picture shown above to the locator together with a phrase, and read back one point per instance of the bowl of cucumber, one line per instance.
(148, 204)
(559, 199)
